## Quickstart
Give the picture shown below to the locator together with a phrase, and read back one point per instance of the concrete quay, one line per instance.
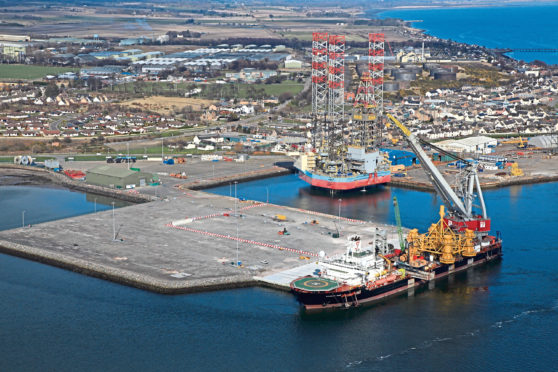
(537, 168)
(186, 243)
(34, 175)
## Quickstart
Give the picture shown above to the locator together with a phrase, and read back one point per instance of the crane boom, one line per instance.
(449, 197)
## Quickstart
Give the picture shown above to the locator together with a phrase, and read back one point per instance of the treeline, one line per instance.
(173, 35)
(379, 22)
(328, 14)
(260, 65)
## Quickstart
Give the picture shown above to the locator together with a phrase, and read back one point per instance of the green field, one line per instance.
(211, 91)
(30, 72)
(156, 151)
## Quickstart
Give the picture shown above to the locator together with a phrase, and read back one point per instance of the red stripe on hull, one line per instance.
(345, 185)
(368, 300)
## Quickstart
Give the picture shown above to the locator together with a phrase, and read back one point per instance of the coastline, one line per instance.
(437, 27)
(499, 4)
(134, 276)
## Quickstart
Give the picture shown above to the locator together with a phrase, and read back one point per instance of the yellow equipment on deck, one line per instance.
(441, 241)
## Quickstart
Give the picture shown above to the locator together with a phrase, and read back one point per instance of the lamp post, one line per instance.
(113, 224)
(235, 210)
(230, 189)
(235, 199)
(23, 218)
(95, 205)
(339, 215)
(237, 242)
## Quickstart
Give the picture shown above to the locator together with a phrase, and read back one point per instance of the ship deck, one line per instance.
(313, 284)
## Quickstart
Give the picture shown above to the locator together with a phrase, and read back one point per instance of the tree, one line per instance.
(52, 90)
(285, 96)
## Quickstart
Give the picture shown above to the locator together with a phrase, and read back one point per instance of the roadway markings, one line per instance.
(247, 241)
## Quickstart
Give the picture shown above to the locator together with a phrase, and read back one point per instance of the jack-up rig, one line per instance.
(345, 153)
(370, 272)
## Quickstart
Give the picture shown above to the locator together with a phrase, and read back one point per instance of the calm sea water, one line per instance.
(493, 27)
(36, 204)
(501, 317)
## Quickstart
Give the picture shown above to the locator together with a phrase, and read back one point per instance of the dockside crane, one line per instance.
(460, 215)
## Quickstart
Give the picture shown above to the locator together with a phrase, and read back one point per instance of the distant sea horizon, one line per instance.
(516, 26)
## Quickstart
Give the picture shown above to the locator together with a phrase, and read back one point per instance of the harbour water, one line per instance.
(35, 204)
(521, 26)
(499, 317)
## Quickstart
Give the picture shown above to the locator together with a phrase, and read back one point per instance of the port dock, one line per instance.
(186, 243)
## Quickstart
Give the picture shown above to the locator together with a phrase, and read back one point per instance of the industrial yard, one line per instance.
(195, 173)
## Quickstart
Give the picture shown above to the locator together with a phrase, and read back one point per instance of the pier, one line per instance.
(189, 243)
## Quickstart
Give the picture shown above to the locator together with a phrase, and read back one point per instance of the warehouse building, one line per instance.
(478, 145)
(117, 177)
(401, 157)
(544, 142)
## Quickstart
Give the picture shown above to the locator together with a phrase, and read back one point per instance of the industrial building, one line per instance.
(479, 145)
(401, 157)
(117, 177)
(14, 51)
(544, 142)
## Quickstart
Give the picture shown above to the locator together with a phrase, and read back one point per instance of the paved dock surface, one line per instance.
(186, 243)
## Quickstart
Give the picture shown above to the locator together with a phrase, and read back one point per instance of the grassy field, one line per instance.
(165, 105)
(210, 91)
(30, 72)
(156, 151)
(86, 157)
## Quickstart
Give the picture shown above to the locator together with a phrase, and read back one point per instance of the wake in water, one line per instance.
(429, 343)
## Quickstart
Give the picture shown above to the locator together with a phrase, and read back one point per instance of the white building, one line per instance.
(479, 145)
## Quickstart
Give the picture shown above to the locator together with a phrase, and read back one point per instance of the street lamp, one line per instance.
(235, 199)
(23, 218)
(237, 242)
(113, 224)
(235, 209)
(230, 189)
(95, 205)
(339, 215)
